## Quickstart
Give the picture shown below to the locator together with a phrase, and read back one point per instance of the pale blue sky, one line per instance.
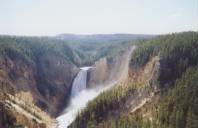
(51, 17)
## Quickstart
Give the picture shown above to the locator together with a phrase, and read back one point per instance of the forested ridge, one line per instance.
(31, 47)
(179, 109)
(75, 52)
(177, 82)
(177, 52)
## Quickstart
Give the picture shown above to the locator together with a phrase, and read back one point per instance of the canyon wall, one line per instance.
(109, 70)
(48, 79)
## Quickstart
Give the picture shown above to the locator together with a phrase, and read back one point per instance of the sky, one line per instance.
(52, 17)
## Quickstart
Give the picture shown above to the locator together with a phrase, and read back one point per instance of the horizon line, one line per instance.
(90, 34)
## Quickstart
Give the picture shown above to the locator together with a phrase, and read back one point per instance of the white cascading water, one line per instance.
(80, 96)
(80, 82)
(79, 99)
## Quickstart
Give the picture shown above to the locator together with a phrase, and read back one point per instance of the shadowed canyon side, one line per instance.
(55, 79)
(35, 81)
(45, 79)
(36, 84)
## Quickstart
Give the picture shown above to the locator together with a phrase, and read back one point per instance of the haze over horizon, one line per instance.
(48, 17)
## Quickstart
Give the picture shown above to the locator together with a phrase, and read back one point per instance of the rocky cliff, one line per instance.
(110, 70)
(48, 79)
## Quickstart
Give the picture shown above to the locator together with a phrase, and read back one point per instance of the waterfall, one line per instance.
(80, 82)
(79, 98)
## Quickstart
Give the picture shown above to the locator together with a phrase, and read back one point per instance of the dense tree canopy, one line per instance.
(177, 52)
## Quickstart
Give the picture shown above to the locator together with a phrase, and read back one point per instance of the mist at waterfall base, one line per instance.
(80, 96)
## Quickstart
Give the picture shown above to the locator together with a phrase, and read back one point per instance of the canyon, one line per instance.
(44, 82)
(41, 74)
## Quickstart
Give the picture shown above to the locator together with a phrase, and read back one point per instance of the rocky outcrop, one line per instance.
(146, 74)
(54, 79)
(110, 70)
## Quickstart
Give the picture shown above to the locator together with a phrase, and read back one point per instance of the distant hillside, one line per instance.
(92, 47)
(98, 38)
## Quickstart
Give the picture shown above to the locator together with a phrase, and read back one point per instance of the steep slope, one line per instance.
(159, 71)
(179, 108)
(110, 69)
(37, 71)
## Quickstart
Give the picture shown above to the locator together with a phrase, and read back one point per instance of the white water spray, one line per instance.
(80, 96)
(80, 82)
